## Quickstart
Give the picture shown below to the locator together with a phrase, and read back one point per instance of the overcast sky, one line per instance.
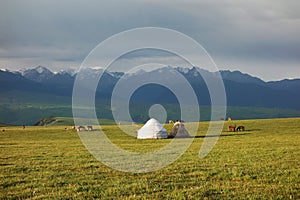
(259, 37)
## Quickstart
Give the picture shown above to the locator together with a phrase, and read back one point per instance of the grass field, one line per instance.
(49, 162)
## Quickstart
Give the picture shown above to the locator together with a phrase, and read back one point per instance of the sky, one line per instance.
(258, 37)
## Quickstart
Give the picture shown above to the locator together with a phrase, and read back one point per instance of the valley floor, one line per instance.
(262, 162)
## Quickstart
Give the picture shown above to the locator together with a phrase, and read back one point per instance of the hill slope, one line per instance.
(37, 93)
(66, 121)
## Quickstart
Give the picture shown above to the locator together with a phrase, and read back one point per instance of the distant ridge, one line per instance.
(66, 121)
(32, 94)
(4, 125)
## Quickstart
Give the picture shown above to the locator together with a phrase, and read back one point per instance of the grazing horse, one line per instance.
(240, 128)
(89, 128)
(231, 128)
(80, 128)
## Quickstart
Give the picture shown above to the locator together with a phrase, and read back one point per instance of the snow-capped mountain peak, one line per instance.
(41, 69)
(4, 70)
(38, 74)
(183, 70)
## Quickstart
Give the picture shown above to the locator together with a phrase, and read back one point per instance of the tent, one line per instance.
(152, 130)
(179, 131)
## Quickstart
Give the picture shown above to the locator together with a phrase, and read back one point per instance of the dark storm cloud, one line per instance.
(44, 28)
(247, 35)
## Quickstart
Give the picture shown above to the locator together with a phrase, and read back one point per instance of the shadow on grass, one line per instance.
(251, 130)
(222, 135)
(230, 133)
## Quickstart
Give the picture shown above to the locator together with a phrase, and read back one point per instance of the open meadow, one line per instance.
(262, 162)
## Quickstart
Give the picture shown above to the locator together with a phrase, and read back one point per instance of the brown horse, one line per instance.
(231, 128)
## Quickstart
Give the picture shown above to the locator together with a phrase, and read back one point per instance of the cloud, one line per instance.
(261, 34)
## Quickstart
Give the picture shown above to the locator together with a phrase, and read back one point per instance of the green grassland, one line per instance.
(49, 162)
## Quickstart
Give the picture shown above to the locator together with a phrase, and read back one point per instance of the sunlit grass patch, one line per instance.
(50, 162)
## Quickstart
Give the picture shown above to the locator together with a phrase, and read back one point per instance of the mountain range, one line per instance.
(41, 86)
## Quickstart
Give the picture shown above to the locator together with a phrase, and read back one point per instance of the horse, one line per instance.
(89, 128)
(80, 128)
(231, 128)
(240, 128)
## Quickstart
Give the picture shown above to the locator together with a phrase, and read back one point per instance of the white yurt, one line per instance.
(152, 130)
